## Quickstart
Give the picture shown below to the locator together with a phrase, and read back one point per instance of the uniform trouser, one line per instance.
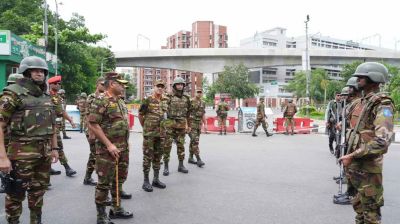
(82, 121)
(222, 123)
(91, 163)
(152, 153)
(179, 135)
(106, 171)
(332, 136)
(194, 141)
(369, 196)
(263, 123)
(61, 155)
(289, 122)
(35, 175)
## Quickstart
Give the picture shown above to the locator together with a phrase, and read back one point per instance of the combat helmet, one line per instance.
(352, 82)
(32, 62)
(345, 91)
(179, 80)
(12, 78)
(290, 100)
(83, 95)
(375, 71)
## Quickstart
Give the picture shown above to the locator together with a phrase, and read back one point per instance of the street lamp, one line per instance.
(56, 37)
(137, 40)
(307, 67)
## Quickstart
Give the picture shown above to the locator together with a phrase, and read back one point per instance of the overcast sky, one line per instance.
(123, 20)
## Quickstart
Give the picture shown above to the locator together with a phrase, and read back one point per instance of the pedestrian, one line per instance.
(81, 106)
(196, 122)
(108, 120)
(151, 113)
(27, 109)
(288, 113)
(54, 85)
(261, 118)
(222, 114)
(176, 126)
(371, 122)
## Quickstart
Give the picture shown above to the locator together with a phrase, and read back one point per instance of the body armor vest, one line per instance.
(178, 107)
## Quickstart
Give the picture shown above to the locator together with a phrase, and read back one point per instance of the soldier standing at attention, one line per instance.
(150, 115)
(261, 118)
(54, 84)
(29, 112)
(288, 113)
(197, 119)
(371, 122)
(90, 167)
(108, 120)
(222, 113)
(61, 92)
(81, 106)
(333, 107)
(176, 126)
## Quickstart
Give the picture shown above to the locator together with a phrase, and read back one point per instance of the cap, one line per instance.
(159, 82)
(54, 79)
(100, 80)
(116, 77)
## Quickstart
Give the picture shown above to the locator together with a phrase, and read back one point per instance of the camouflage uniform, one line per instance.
(261, 118)
(58, 102)
(288, 113)
(372, 141)
(81, 105)
(30, 114)
(111, 114)
(91, 163)
(197, 111)
(222, 113)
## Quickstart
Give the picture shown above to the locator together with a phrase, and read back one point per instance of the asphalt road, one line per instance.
(246, 180)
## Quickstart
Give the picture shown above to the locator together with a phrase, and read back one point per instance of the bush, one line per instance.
(303, 110)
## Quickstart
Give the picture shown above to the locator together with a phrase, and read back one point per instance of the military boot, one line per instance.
(69, 171)
(102, 217)
(254, 132)
(166, 170)
(36, 218)
(54, 172)
(119, 213)
(66, 137)
(156, 180)
(199, 163)
(191, 160)
(124, 195)
(342, 200)
(181, 168)
(146, 184)
(331, 149)
(13, 221)
(220, 132)
(268, 134)
(2, 187)
(225, 132)
(89, 180)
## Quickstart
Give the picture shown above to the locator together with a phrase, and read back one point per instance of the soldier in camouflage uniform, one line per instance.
(222, 114)
(333, 107)
(151, 113)
(81, 106)
(261, 118)
(175, 126)
(197, 119)
(54, 85)
(288, 113)
(108, 120)
(90, 167)
(61, 92)
(371, 123)
(29, 113)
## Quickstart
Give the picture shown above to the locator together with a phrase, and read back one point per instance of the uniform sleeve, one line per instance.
(376, 142)
(8, 104)
(96, 111)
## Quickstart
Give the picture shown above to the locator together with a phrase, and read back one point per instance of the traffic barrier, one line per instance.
(212, 124)
(279, 125)
(301, 125)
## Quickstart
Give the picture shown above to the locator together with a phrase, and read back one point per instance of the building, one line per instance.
(204, 34)
(13, 49)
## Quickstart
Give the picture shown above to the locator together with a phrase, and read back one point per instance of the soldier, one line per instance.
(54, 85)
(176, 126)
(108, 120)
(197, 119)
(332, 120)
(261, 118)
(81, 106)
(12, 78)
(371, 122)
(29, 112)
(222, 113)
(151, 113)
(61, 93)
(288, 113)
(90, 167)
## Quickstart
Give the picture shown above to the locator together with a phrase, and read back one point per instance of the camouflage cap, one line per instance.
(159, 82)
(100, 80)
(116, 77)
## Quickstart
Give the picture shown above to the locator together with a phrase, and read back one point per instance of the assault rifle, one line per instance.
(341, 146)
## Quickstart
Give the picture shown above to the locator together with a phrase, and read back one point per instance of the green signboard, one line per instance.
(24, 48)
(3, 38)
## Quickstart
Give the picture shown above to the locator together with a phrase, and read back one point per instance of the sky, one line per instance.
(124, 20)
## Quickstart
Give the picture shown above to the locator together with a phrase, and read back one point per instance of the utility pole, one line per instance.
(307, 69)
(45, 26)
(56, 38)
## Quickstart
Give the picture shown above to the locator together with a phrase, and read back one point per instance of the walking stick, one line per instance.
(116, 181)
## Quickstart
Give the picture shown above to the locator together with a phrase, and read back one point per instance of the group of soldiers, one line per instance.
(364, 115)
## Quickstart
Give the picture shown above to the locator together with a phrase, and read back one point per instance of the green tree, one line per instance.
(234, 80)
(349, 69)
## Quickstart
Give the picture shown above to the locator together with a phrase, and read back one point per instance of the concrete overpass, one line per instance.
(211, 60)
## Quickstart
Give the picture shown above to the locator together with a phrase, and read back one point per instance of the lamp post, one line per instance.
(307, 68)
(56, 37)
(137, 40)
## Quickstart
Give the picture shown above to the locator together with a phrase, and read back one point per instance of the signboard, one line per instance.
(24, 48)
(248, 117)
(5, 42)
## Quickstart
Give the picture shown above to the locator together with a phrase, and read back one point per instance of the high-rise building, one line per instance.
(206, 34)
